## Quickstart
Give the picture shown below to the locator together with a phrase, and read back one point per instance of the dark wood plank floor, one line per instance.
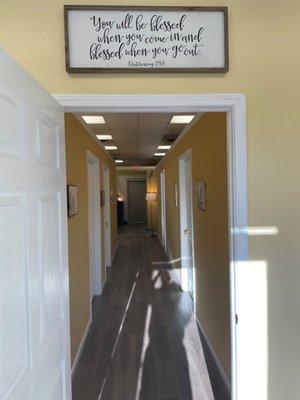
(143, 343)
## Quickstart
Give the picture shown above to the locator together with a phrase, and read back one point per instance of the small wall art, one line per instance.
(72, 192)
(200, 195)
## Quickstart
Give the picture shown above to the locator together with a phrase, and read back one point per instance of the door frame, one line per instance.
(163, 209)
(127, 183)
(234, 104)
(95, 269)
(107, 237)
(187, 155)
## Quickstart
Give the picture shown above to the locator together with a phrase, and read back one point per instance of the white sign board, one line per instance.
(152, 39)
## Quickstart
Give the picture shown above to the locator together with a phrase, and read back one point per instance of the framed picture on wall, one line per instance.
(72, 191)
(200, 195)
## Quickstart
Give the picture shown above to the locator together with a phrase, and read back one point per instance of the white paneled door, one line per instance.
(186, 222)
(137, 208)
(34, 295)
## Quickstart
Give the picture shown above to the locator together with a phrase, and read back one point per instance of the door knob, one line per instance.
(186, 231)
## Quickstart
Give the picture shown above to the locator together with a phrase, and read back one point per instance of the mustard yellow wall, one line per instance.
(207, 141)
(265, 65)
(78, 141)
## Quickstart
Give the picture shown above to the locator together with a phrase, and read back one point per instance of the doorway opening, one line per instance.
(234, 106)
(94, 226)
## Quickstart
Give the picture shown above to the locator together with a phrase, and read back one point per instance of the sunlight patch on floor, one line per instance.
(146, 341)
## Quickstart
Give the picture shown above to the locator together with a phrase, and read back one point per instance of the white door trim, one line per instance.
(235, 107)
(163, 209)
(182, 211)
(95, 269)
(107, 237)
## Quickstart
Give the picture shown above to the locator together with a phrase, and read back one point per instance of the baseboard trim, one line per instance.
(214, 357)
(80, 348)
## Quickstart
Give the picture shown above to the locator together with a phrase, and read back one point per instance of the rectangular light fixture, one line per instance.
(159, 154)
(164, 147)
(182, 119)
(93, 119)
(119, 161)
(111, 148)
(104, 137)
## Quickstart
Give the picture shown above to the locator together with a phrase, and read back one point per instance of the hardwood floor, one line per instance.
(143, 343)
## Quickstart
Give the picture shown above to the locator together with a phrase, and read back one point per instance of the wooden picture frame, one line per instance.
(157, 69)
(72, 199)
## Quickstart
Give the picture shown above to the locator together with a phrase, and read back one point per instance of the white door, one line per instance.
(91, 213)
(94, 225)
(163, 207)
(107, 224)
(137, 208)
(34, 294)
(186, 222)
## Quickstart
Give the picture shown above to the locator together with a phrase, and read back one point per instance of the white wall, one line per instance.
(122, 188)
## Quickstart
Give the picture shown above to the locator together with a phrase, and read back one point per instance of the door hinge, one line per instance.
(236, 319)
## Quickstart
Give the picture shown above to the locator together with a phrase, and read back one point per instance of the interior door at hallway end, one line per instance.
(34, 283)
(137, 210)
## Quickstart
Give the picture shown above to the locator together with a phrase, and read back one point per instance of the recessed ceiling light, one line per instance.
(119, 161)
(164, 147)
(182, 119)
(104, 137)
(93, 119)
(159, 154)
(111, 148)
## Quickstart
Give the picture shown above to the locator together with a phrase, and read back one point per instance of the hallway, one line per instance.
(143, 342)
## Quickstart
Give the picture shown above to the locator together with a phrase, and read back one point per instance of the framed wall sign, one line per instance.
(102, 39)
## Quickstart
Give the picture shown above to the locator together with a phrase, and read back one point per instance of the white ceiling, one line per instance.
(136, 135)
